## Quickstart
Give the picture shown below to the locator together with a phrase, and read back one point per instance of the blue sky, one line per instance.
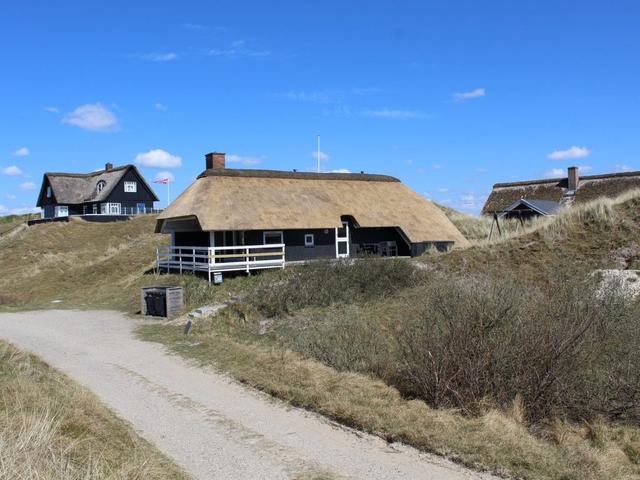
(449, 96)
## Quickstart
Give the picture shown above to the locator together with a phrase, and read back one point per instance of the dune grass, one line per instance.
(51, 428)
(497, 439)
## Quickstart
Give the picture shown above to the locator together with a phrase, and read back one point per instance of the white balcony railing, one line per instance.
(220, 259)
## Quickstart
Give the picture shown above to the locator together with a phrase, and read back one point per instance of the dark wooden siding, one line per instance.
(127, 199)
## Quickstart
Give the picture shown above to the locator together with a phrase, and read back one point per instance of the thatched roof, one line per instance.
(228, 199)
(589, 188)
(77, 188)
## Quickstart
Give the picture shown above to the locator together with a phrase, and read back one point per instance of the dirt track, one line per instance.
(211, 426)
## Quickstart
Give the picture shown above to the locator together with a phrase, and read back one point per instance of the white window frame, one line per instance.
(49, 191)
(112, 208)
(309, 240)
(272, 233)
(100, 185)
(61, 211)
(130, 187)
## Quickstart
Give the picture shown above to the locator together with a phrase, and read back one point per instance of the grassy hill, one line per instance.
(78, 263)
(502, 355)
(603, 234)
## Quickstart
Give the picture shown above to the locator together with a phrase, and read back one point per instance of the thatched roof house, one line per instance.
(564, 191)
(313, 214)
(112, 191)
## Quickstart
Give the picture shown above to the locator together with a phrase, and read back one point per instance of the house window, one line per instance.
(100, 185)
(130, 187)
(113, 208)
(61, 211)
(271, 238)
(309, 240)
(48, 192)
(95, 208)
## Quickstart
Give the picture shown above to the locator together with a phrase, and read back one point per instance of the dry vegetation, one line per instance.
(51, 428)
(501, 355)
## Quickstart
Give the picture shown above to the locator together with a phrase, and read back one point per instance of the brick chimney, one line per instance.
(215, 160)
(573, 178)
(108, 167)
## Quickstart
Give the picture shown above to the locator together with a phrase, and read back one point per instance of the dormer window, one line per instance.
(100, 185)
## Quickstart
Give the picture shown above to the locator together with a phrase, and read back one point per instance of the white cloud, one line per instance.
(28, 186)
(242, 160)
(313, 97)
(365, 91)
(158, 158)
(394, 114)
(443, 190)
(624, 168)
(92, 116)
(555, 173)
(52, 109)
(196, 27)
(238, 48)
(160, 106)
(21, 152)
(10, 196)
(12, 171)
(570, 153)
(585, 168)
(159, 57)
(340, 170)
(164, 175)
(476, 93)
(323, 156)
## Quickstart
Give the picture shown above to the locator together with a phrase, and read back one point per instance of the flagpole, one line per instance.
(168, 191)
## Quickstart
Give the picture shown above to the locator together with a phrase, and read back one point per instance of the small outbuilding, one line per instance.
(244, 219)
(527, 209)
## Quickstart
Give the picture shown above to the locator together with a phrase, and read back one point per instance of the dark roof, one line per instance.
(77, 188)
(590, 187)
(543, 207)
(253, 173)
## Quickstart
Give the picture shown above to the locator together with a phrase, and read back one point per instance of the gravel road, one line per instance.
(212, 426)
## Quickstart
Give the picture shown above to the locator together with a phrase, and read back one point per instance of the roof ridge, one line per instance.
(561, 179)
(90, 174)
(285, 174)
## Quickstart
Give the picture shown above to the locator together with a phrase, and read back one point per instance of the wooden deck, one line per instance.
(220, 259)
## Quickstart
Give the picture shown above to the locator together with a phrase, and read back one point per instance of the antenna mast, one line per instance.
(318, 154)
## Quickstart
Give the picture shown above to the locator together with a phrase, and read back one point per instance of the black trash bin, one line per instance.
(156, 301)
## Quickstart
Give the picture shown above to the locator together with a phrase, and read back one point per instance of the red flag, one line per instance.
(163, 181)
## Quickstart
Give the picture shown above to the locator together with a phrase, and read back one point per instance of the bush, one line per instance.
(566, 351)
(324, 283)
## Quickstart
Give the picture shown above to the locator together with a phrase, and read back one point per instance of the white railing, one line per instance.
(125, 211)
(220, 259)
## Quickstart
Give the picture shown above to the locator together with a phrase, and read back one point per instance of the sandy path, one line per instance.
(213, 427)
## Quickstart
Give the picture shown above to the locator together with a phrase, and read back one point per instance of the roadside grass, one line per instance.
(52, 428)
(496, 440)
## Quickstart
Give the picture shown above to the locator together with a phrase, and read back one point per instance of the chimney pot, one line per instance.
(573, 178)
(108, 167)
(215, 160)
